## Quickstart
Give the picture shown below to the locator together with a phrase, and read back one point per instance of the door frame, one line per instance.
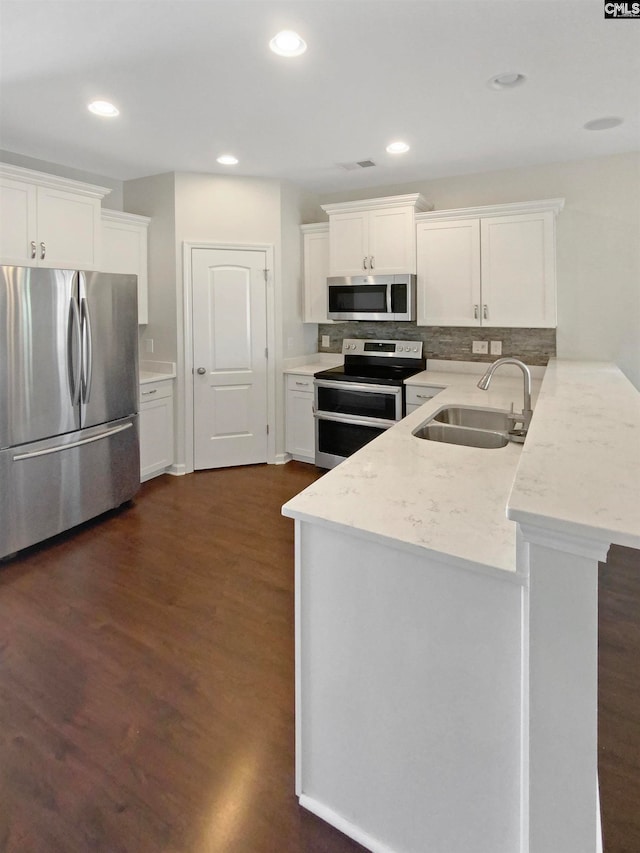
(187, 289)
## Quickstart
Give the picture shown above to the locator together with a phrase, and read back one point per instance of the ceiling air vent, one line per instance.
(359, 164)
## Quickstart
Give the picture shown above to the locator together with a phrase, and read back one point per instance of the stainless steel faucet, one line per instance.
(525, 416)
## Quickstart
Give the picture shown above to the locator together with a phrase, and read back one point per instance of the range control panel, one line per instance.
(362, 346)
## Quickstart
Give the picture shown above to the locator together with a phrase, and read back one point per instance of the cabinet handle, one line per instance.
(371, 260)
(475, 312)
(485, 312)
(33, 249)
(424, 396)
(306, 384)
(148, 393)
(43, 251)
(364, 263)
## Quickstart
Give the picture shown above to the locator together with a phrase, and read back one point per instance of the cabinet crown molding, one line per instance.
(554, 205)
(315, 228)
(415, 200)
(42, 179)
(123, 216)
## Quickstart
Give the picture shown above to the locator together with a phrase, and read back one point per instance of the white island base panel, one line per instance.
(409, 697)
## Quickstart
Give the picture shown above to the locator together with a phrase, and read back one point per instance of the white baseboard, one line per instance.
(177, 470)
(282, 458)
(343, 825)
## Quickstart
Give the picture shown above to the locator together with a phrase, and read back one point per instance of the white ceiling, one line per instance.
(196, 79)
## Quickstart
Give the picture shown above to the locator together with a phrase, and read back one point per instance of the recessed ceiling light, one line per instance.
(104, 108)
(288, 43)
(603, 123)
(227, 160)
(507, 80)
(397, 147)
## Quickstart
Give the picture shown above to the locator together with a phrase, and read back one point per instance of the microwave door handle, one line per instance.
(389, 311)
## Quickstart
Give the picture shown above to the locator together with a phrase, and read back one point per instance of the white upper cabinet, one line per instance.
(374, 236)
(124, 250)
(48, 221)
(518, 270)
(488, 266)
(448, 273)
(315, 253)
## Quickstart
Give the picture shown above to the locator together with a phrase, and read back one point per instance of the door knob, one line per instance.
(202, 370)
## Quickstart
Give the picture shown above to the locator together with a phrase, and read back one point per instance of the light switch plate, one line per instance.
(325, 341)
(496, 348)
(480, 347)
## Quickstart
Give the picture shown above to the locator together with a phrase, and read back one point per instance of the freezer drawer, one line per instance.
(50, 486)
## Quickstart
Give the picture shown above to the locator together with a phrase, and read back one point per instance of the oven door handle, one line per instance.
(390, 390)
(348, 419)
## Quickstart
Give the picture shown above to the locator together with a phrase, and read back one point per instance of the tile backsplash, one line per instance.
(449, 343)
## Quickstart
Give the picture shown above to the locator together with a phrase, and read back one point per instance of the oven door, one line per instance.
(360, 400)
(349, 415)
(338, 437)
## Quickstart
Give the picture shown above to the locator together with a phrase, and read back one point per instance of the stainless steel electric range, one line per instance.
(356, 402)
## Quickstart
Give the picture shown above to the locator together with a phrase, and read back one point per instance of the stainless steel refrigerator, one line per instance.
(68, 400)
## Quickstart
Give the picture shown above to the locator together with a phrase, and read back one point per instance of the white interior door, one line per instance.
(229, 357)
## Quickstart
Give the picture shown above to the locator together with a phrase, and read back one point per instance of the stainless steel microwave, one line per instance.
(372, 297)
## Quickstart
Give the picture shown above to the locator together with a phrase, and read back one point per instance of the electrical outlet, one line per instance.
(325, 341)
(148, 344)
(496, 348)
(480, 347)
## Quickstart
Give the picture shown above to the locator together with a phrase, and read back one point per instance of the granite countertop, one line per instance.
(415, 494)
(156, 371)
(580, 469)
(577, 474)
(315, 363)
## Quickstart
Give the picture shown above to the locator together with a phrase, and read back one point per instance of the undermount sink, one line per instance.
(475, 418)
(466, 436)
(470, 427)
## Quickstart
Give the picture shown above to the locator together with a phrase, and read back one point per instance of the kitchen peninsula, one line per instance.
(446, 622)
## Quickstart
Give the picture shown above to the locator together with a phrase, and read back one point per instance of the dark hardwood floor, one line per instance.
(146, 680)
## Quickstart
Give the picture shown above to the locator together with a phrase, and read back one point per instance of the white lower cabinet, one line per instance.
(300, 427)
(156, 428)
(418, 395)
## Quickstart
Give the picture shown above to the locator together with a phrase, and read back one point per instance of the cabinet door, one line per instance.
(448, 254)
(68, 230)
(124, 250)
(156, 430)
(392, 241)
(300, 433)
(17, 222)
(316, 270)
(518, 271)
(349, 244)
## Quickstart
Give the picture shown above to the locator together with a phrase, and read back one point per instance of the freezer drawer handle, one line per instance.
(107, 434)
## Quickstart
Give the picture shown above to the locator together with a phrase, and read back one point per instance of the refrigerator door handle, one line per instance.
(19, 457)
(74, 361)
(87, 343)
